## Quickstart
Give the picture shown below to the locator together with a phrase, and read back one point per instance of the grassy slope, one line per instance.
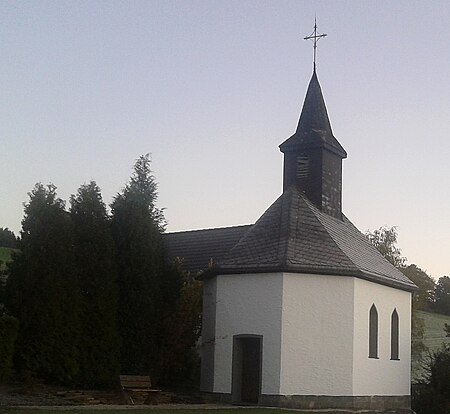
(434, 337)
(434, 334)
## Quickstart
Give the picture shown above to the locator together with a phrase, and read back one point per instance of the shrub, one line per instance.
(9, 328)
(433, 395)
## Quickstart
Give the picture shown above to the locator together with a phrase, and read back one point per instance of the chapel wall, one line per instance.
(317, 335)
(248, 304)
(381, 376)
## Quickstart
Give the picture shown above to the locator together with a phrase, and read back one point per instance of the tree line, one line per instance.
(94, 294)
(431, 296)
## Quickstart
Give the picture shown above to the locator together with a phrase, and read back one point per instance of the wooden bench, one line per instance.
(136, 384)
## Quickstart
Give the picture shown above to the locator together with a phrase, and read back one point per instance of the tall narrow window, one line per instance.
(394, 335)
(373, 332)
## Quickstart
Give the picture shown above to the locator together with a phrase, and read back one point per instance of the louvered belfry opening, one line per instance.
(313, 156)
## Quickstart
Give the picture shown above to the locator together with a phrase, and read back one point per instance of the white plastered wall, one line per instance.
(317, 335)
(315, 332)
(381, 376)
(248, 304)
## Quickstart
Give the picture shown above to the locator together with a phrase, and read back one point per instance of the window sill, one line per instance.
(395, 359)
(373, 357)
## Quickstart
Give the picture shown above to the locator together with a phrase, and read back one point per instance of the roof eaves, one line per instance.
(304, 269)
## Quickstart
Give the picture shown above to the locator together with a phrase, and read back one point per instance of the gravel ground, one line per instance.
(19, 395)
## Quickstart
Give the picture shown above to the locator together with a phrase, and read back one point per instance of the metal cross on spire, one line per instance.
(315, 38)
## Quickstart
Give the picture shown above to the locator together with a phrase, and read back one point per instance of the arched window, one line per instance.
(394, 335)
(373, 332)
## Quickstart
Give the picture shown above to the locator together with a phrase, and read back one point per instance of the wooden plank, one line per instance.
(136, 383)
(135, 377)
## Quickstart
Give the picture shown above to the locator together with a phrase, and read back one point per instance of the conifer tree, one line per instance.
(181, 324)
(97, 278)
(42, 290)
(7, 238)
(137, 226)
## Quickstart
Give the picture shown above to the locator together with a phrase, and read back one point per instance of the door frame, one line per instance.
(236, 364)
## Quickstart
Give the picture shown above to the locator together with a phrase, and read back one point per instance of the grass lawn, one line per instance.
(5, 254)
(68, 410)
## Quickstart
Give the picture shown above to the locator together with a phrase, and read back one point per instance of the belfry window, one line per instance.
(394, 335)
(373, 332)
(302, 167)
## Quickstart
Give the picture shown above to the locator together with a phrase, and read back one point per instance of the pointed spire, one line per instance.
(314, 116)
(314, 127)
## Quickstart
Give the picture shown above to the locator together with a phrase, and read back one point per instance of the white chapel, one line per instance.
(299, 309)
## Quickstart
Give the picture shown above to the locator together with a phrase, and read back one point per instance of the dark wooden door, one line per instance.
(251, 370)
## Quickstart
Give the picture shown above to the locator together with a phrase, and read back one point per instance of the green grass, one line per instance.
(433, 338)
(142, 411)
(5, 254)
(434, 335)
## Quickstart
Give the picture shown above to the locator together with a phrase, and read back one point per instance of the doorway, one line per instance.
(247, 363)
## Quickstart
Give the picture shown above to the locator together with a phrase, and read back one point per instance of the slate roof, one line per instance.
(198, 247)
(294, 236)
(314, 128)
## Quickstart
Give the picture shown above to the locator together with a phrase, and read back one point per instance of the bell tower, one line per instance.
(313, 156)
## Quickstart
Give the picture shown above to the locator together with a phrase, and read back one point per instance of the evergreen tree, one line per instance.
(42, 291)
(137, 226)
(97, 278)
(7, 238)
(179, 361)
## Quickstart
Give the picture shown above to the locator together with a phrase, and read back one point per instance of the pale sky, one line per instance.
(211, 88)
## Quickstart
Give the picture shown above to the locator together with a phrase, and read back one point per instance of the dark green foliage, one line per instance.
(179, 361)
(7, 238)
(442, 296)
(42, 290)
(9, 328)
(425, 400)
(423, 298)
(93, 294)
(440, 372)
(136, 225)
(433, 395)
(97, 278)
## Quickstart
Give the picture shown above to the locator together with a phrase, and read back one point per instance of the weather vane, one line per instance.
(315, 38)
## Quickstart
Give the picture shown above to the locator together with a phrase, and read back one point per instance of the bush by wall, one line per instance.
(9, 328)
(433, 395)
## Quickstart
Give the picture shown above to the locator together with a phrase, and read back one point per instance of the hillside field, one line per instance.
(433, 338)
(5, 254)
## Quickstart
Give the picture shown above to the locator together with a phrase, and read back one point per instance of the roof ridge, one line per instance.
(318, 215)
(209, 228)
(314, 211)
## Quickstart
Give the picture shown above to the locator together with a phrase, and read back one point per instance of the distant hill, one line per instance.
(434, 336)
